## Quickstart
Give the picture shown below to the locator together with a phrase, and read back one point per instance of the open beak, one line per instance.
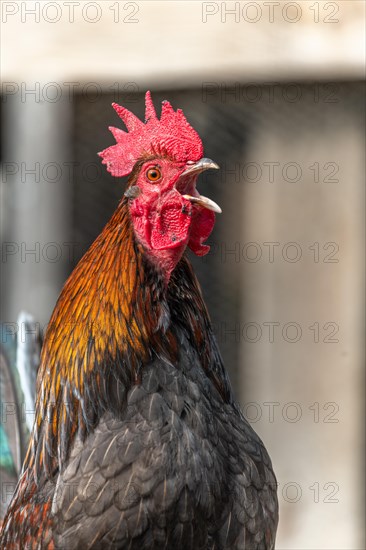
(195, 169)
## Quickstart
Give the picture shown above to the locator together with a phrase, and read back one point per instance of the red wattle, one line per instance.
(203, 221)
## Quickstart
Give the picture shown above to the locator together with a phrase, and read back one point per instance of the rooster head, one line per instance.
(164, 157)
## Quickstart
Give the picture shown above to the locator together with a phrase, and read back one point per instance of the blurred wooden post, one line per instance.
(36, 203)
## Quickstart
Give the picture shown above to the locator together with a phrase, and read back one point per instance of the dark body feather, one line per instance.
(138, 442)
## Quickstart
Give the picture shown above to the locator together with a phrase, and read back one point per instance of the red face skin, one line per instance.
(164, 221)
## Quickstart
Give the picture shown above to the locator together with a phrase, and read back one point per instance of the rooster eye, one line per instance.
(153, 174)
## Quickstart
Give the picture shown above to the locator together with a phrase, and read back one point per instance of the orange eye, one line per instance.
(153, 174)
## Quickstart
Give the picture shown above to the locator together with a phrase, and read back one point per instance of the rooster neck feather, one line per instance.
(114, 315)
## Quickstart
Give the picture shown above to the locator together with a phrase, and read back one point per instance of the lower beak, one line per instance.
(204, 201)
(195, 169)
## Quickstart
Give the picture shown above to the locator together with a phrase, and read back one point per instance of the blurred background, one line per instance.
(276, 91)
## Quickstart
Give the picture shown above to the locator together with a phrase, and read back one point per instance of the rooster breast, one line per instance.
(178, 469)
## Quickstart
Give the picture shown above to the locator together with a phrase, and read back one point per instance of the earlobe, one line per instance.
(132, 192)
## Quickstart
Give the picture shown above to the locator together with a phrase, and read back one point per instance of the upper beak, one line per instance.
(200, 166)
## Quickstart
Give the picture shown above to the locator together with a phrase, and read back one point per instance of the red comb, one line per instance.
(171, 135)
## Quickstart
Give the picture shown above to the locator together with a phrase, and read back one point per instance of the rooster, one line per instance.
(138, 442)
